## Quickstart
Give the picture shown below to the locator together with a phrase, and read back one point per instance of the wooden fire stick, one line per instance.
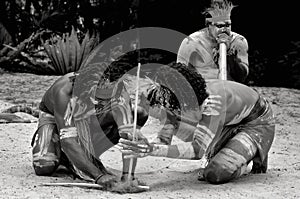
(135, 116)
(222, 61)
(82, 185)
(73, 184)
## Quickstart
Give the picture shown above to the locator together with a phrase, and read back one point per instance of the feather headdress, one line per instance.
(220, 10)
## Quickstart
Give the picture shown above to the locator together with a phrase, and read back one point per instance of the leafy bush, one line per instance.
(5, 37)
(67, 52)
(257, 68)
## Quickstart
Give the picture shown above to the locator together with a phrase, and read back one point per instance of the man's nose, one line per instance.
(224, 30)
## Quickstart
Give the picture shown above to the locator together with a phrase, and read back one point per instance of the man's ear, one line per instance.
(208, 21)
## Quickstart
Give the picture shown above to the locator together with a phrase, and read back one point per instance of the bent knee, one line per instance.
(44, 166)
(216, 174)
(220, 170)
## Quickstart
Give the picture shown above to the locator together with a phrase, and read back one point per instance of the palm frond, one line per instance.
(67, 53)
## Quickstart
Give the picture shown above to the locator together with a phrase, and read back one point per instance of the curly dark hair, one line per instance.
(180, 88)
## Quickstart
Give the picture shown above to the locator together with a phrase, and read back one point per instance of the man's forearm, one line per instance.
(244, 68)
(199, 137)
(78, 157)
(241, 72)
(179, 151)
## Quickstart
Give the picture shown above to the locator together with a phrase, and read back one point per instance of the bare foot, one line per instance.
(129, 186)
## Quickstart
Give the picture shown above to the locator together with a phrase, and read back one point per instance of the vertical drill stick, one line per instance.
(135, 116)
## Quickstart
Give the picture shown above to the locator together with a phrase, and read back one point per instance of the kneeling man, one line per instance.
(232, 125)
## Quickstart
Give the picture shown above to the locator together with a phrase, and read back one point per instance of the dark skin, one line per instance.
(61, 91)
(221, 32)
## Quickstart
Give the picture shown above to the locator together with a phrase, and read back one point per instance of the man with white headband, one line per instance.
(200, 50)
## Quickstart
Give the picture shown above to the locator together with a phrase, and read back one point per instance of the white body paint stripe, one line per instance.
(246, 140)
(206, 130)
(202, 139)
(232, 161)
(68, 132)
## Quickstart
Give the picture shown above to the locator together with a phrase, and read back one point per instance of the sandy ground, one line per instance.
(167, 178)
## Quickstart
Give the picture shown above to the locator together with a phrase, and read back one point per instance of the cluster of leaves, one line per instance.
(26, 56)
(67, 53)
(285, 70)
(281, 71)
(25, 24)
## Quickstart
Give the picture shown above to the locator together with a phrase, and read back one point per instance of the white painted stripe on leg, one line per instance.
(230, 160)
(247, 141)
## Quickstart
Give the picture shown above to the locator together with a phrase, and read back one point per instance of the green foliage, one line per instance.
(27, 56)
(257, 68)
(67, 53)
(5, 37)
(277, 70)
(22, 18)
(287, 72)
(25, 20)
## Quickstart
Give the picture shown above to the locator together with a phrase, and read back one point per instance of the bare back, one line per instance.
(57, 97)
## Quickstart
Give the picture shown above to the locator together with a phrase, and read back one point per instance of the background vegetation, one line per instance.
(27, 26)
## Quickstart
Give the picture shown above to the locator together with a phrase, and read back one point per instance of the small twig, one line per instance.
(10, 47)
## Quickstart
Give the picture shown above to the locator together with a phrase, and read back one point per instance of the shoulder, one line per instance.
(63, 87)
(58, 94)
(239, 40)
(237, 36)
(231, 91)
(200, 34)
(230, 98)
(217, 86)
